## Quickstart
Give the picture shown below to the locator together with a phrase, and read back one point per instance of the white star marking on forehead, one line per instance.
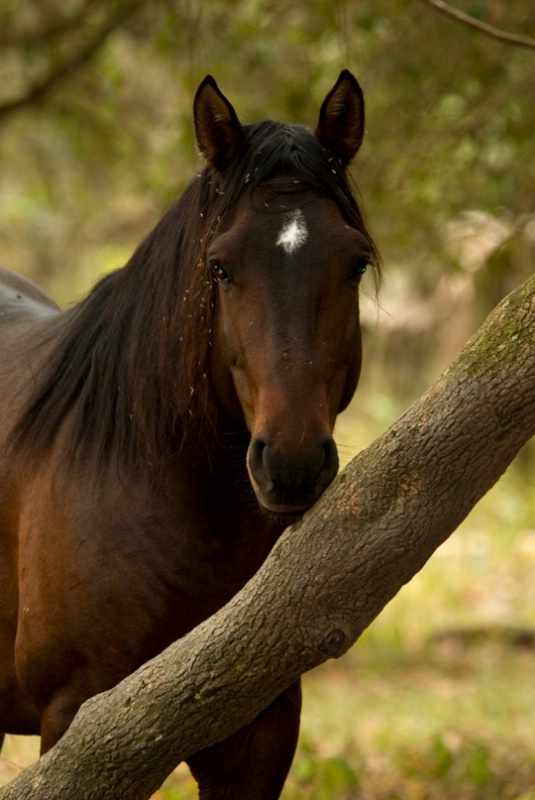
(294, 232)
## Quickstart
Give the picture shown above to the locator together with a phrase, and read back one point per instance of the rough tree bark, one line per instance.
(325, 581)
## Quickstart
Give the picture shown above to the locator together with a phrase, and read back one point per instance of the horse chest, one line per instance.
(168, 561)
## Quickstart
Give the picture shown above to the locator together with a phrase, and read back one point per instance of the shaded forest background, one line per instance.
(96, 140)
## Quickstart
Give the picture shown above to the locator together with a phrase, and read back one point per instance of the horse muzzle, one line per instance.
(289, 481)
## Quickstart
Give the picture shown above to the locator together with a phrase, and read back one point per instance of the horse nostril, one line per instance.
(331, 463)
(256, 451)
(256, 462)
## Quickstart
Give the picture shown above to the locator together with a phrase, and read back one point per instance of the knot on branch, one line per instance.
(334, 644)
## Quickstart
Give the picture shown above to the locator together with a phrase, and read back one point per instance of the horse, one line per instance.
(158, 437)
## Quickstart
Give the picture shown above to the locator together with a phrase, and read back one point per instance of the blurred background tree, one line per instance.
(96, 140)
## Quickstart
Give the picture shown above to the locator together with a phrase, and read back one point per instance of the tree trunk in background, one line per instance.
(324, 582)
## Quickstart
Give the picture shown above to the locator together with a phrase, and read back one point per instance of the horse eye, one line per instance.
(359, 268)
(219, 272)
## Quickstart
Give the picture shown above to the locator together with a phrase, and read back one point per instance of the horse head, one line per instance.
(286, 259)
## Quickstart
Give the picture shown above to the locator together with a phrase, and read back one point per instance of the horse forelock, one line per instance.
(290, 158)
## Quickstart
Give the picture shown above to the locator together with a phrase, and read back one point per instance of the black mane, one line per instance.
(128, 371)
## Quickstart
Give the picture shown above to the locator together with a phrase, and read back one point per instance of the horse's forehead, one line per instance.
(288, 223)
(294, 232)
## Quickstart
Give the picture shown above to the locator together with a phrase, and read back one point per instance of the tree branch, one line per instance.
(71, 63)
(37, 36)
(322, 585)
(482, 27)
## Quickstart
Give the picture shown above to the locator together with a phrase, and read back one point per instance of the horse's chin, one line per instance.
(282, 514)
(283, 519)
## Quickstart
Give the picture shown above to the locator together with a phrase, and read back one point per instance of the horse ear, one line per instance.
(341, 124)
(217, 127)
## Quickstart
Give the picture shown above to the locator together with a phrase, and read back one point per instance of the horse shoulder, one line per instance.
(24, 309)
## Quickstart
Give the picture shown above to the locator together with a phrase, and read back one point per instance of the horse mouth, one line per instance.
(284, 516)
(285, 502)
(281, 507)
(287, 486)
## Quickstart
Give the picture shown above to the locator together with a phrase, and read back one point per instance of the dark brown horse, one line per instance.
(156, 439)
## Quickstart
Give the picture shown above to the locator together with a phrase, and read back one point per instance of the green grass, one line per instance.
(420, 709)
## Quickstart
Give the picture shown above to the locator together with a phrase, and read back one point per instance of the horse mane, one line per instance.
(129, 367)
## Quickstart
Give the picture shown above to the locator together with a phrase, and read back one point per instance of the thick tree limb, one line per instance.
(324, 582)
(482, 27)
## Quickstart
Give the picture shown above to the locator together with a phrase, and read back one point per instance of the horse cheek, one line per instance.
(349, 360)
(223, 360)
(351, 378)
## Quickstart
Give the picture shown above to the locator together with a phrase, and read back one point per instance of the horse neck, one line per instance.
(159, 335)
(119, 368)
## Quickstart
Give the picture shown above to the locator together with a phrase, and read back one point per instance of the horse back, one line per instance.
(25, 310)
(22, 299)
